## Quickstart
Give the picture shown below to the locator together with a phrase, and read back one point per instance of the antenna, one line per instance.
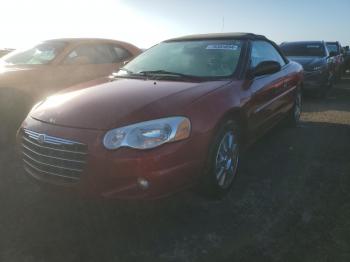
(223, 24)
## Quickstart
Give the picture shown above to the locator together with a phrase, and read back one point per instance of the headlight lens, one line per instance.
(148, 134)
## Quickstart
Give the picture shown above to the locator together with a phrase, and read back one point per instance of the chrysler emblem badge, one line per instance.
(41, 139)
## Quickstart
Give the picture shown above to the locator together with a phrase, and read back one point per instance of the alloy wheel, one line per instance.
(297, 107)
(226, 161)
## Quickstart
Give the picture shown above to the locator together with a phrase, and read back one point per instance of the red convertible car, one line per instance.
(177, 116)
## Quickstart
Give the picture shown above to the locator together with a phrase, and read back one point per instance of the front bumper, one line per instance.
(315, 79)
(117, 174)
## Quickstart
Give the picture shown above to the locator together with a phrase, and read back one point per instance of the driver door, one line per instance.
(265, 90)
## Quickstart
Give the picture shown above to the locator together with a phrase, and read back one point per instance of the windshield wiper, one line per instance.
(130, 74)
(127, 70)
(153, 73)
(167, 73)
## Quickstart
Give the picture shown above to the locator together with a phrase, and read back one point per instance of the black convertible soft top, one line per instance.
(218, 36)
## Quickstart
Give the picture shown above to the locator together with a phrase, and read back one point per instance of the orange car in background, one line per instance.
(30, 75)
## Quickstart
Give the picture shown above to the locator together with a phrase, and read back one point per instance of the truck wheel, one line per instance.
(324, 90)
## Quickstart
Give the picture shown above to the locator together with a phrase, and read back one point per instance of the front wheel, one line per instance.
(324, 90)
(222, 164)
(331, 81)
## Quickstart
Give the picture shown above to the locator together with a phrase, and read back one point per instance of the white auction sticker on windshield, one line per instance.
(313, 46)
(222, 47)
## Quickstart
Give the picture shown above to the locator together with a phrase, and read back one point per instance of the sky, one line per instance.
(147, 22)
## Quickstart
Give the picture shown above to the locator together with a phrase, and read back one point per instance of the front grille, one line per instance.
(53, 158)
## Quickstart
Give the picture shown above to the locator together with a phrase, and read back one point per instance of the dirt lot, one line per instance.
(291, 202)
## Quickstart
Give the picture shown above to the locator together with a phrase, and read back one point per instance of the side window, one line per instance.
(264, 51)
(121, 54)
(91, 54)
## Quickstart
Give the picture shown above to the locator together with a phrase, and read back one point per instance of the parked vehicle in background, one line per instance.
(335, 49)
(178, 115)
(5, 51)
(346, 59)
(30, 75)
(319, 74)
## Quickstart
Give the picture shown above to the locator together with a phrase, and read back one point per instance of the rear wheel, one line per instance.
(295, 113)
(222, 164)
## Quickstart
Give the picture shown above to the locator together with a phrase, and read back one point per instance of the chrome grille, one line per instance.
(52, 157)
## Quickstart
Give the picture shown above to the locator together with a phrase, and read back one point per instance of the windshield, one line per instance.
(303, 49)
(201, 58)
(333, 48)
(41, 54)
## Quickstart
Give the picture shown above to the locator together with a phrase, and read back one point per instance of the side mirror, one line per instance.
(332, 53)
(346, 48)
(266, 68)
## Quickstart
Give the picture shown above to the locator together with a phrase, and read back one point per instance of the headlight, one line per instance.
(148, 134)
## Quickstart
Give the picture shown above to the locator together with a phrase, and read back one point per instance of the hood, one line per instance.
(119, 103)
(308, 62)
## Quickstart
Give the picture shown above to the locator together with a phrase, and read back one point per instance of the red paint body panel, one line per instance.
(121, 102)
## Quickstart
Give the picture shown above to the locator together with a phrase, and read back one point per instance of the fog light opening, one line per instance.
(143, 183)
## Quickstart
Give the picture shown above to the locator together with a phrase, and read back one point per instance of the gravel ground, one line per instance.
(290, 202)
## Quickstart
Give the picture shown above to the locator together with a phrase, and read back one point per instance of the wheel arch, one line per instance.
(237, 115)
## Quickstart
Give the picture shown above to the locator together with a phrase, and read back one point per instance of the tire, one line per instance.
(331, 81)
(14, 106)
(324, 90)
(222, 163)
(294, 114)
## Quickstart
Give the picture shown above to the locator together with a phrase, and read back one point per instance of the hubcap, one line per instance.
(297, 109)
(226, 160)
